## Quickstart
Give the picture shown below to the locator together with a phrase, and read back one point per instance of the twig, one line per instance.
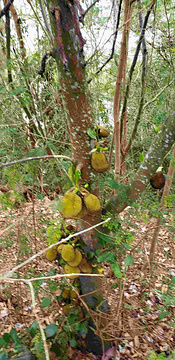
(35, 158)
(155, 98)
(37, 318)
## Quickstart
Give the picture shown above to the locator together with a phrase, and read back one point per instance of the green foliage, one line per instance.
(46, 302)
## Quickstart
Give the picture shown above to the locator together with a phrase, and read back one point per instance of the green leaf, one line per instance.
(141, 157)
(113, 183)
(104, 239)
(127, 306)
(3, 356)
(92, 134)
(163, 314)
(77, 176)
(51, 330)
(73, 343)
(33, 328)
(17, 91)
(7, 337)
(129, 260)
(14, 336)
(46, 302)
(107, 256)
(2, 341)
(117, 272)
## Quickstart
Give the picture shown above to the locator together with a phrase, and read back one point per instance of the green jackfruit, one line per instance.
(77, 259)
(99, 162)
(72, 270)
(92, 203)
(51, 254)
(68, 252)
(72, 205)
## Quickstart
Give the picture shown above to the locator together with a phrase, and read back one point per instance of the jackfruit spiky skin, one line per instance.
(85, 267)
(103, 131)
(92, 203)
(65, 294)
(99, 162)
(72, 270)
(68, 252)
(77, 259)
(72, 205)
(51, 254)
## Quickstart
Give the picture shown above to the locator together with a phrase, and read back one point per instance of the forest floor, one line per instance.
(141, 317)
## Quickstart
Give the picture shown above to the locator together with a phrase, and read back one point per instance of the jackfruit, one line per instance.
(51, 254)
(65, 294)
(71, 270)
(72, 205)
(92, 203)
(77, 259)
(103, 132)
(68, 252)
(85, 267)
(81, 214)
(73, 294)
(66, 309)
(59, 248)
(99, 162)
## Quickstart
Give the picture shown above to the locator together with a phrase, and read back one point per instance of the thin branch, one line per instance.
(86, 11)
(9, 273)
(135, 58)
(38, 19)
(38, 320)
(6, 8)
(52, 277)
(45, 20)
(115, 38)
(35, 158)
(8, 39)
(114, 42)
(155, 98)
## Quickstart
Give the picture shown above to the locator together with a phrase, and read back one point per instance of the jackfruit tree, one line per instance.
(62, 25)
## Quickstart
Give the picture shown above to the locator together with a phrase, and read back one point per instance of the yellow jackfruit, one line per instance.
(85, 267)
(72, 270)
(72, 205)
(68, 252)
(103, 131)
(92, 203)
(65, 294)
(77, 259)
(59, 248)
(51, 254)
(99, 162)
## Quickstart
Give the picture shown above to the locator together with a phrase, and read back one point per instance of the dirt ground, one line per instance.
(135, 325)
